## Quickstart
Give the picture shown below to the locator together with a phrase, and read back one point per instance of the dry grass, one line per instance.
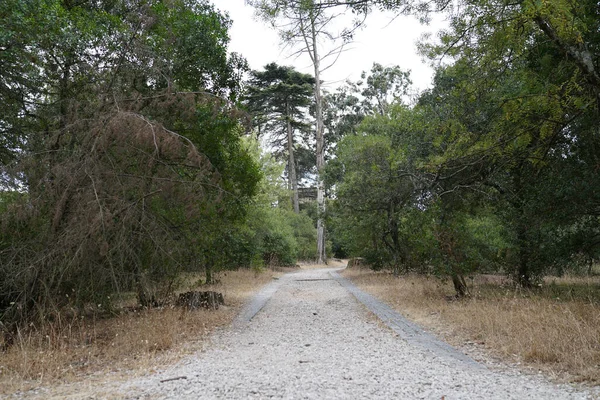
(555, 328)
(130, 343)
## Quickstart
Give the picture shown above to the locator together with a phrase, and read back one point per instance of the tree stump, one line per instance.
(195, 299)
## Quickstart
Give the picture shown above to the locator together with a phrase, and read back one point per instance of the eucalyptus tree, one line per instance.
(305, 27)
(278, 98)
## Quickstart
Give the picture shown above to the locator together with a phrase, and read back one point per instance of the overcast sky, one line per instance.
(385, 39)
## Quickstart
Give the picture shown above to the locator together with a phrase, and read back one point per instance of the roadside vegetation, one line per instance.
(554, 328)
(129, 173)
(131, 159)
(128, 341)
(492, 172)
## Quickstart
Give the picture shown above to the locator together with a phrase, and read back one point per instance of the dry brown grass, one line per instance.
(130, 343)
(555, 328)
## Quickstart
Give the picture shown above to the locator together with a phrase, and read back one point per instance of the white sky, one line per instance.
(385, 39)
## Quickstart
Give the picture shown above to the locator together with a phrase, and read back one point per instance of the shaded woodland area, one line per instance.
(127, 158)
(495, 168)
(129, 149)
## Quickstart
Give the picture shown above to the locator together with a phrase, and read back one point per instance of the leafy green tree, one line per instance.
(383, 87)
(396, 212)
(514, 125)
(125, 145)
(378, 190)
(303, 25)
(275, 234)
(278, 98)
(375, 93)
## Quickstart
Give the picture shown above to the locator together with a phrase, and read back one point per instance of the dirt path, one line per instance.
(306, 336)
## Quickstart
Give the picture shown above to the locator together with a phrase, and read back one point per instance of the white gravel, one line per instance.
(314, 340)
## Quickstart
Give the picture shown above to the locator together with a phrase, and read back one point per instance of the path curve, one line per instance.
(307, 337)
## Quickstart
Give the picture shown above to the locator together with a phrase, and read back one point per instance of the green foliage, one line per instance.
(376, 207)
(120, 132)
(191, 39)
(502, 151)
(377, 93)
(305, 235)
(275, 239)
(271, 231)
(9, 199)
(278, 99)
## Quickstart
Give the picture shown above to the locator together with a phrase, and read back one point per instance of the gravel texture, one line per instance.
(307, 337)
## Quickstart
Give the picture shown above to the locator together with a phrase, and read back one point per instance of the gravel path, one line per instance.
(307, 337)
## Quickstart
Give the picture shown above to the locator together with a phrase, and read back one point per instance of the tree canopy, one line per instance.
(122, 163)
(514, 101)
(278, 99)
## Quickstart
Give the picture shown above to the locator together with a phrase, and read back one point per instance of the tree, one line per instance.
(128, 158)
(304, 25)
(375, 194)
(375, 93)
(383, 87)
(277, 225)
(279, 96)
(523, 99)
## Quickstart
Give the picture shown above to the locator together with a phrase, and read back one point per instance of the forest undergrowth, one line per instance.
(554, 328)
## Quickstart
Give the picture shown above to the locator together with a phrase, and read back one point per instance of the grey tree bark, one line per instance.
(303, 24)
(320, 139)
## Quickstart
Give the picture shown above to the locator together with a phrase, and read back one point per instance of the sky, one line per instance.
(386, 39)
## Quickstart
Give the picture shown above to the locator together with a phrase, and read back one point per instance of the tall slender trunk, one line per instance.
(394, 234)
(522, 273)
(208, 274)
(292, 162)
(452, 259)
(321, 251)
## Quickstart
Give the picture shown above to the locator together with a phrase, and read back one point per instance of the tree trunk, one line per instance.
(321, 251)
(452, 260)
(460, 285)
(393, 231)
(292, 163)
(522, 271)
(523, 275)
(145, 292)
(208, 274)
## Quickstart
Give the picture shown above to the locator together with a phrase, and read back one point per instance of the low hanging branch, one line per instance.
(112, 205)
